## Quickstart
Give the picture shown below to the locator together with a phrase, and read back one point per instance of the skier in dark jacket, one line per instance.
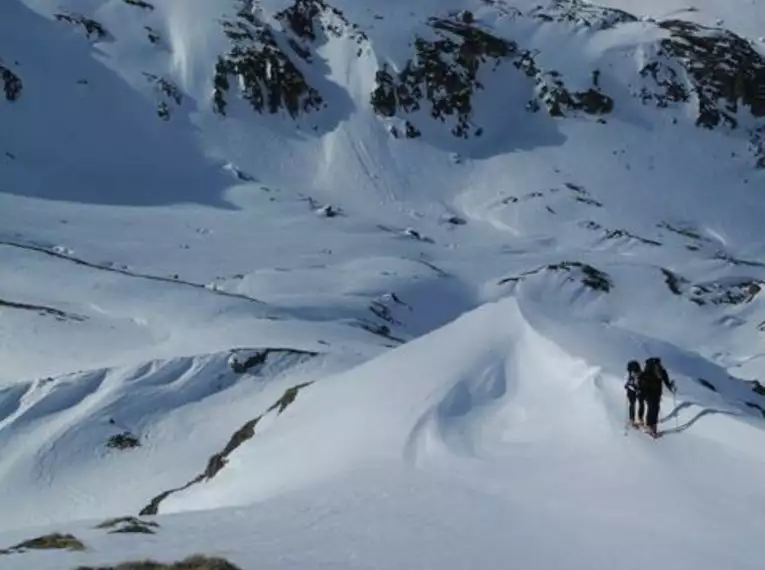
(633, 392)
(650, 386)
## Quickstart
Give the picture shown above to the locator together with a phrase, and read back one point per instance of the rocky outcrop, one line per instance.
(140, 4)
(92, 28)
(219, 460)
(733, 292)
(443, 74)
(54, 541)
(57, 314)
(122, 441)
(312, 21)
(168, 92)
(726, 72)
(443, 79)
(264, 59)
(128, 525)
(717, 71)
(12, 84)
(553, 94)
(253, 361)
(268, 79)
(582, 13)
(676, 283)
(584, 273)
(196, 562)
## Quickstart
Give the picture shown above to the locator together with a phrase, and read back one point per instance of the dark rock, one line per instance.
(675, 282)
(140, 4)
(456, 220)
(91, 27)
(582, 13)
(442, 75)
(304, 19)
(618, 234)
(718, 70)
(270, 81)
(727, 72)
(128, 525)
(123, 441)
(196, 562)
(734, 292)
(252, 360)
(54, 541)
(587, 275)
(168, 91)
(590, 276)
(553, 94)
(153, 35)
(219, 460)
(42, 310)
(757, 407)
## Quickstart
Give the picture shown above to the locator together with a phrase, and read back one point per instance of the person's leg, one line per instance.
(641, 410)
(652, 416)
(631, 398)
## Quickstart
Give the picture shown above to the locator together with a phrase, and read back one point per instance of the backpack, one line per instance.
(652, 378)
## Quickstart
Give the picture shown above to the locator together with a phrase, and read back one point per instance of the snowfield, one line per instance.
(353, 284)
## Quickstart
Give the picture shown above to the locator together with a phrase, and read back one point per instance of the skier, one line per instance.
(633, 392)
(650, 386)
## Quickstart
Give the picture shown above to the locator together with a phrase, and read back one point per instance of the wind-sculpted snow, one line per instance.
(118, 426)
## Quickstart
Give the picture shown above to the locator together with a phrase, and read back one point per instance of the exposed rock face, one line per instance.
(311, 21)
(582, 13)
(54, 541)
(168, 92)
(263, 58)
(725, 71)
(129, 525)
(552, 92)
(443, 74)
(717, 71)
(91, 27)
(268, 79)
(140, 4)
(734, 292)
(123, 441)
(586, 274)
(443, 78)
(219, 460)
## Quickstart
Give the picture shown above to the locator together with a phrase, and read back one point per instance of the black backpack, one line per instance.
(652, 377)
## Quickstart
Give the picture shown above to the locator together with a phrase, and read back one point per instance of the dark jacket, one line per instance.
(651, 380)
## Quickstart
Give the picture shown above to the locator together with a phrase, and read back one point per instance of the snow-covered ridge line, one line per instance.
(126, 272)
(218, 461)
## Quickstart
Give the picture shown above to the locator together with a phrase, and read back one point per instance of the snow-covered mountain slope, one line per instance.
(337, 259)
